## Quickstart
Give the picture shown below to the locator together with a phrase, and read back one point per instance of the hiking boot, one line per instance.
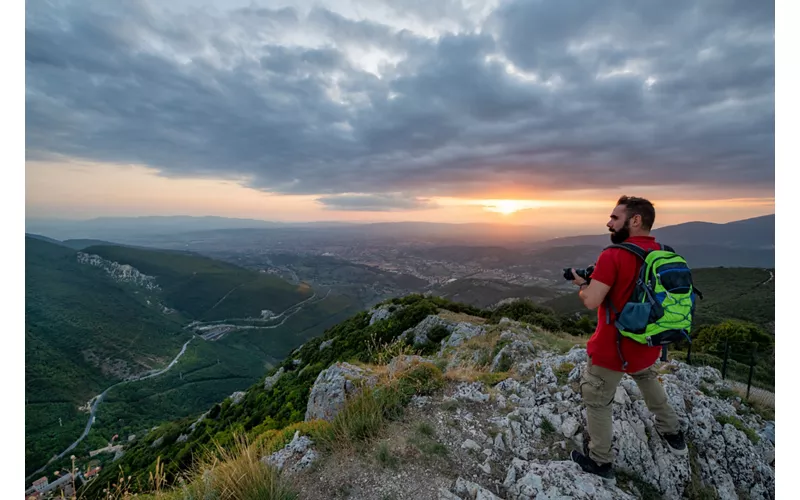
(592, 467)
(675, 442)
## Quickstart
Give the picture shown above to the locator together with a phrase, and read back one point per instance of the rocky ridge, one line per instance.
(120, 272)
(509, 429)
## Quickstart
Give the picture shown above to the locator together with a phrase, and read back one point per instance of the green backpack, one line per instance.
(662, 305)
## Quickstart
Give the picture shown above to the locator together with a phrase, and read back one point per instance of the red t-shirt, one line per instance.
(619, 269)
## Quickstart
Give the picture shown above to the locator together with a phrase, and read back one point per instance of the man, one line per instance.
(614, 279)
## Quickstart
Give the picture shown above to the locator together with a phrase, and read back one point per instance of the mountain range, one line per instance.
(756, 233)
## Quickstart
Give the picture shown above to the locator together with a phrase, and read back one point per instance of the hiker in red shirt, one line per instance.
(610, 355)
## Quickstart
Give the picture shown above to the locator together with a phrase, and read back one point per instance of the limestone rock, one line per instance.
(516, 352)
(237, 397)
(332, 387)
(295, 456)
(269, 382)
(557, 480)
(471, 392)
(381, 313)
(419, 334)
(462, 332)
(473, 491)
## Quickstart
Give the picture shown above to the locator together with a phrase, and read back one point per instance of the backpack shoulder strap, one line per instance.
(635, 249)
(667, 248)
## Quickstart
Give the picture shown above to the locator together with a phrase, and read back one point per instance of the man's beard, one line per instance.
(621, 235)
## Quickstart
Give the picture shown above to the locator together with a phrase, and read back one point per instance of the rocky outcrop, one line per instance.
(462, 332)
(270, 381)
(511, 438)
(120, 272)
(237, 397)
(383, 312)
(516, 350)
(419, 334)
(723, 456)
(295, 456)
(535, 479)
(332, 387)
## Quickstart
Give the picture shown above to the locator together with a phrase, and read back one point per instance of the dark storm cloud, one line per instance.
(546, 94)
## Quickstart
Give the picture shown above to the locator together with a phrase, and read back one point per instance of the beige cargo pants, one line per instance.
(598, 386)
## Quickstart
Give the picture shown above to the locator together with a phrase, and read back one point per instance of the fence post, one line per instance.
(752, 368)
(725, 361)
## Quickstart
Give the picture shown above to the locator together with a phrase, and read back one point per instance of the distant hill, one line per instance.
(746, 243)
(483, 293)
(80, 244)
(207, 289)
(698, 256)
(125, 228)
(755, 233)
(729, 293)
(39, 237)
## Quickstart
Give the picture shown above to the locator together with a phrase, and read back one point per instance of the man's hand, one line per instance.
(578, 280)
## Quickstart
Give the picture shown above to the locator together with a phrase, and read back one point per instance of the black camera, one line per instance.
(583, 273)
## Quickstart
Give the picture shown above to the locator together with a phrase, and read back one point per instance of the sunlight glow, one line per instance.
(508, 207)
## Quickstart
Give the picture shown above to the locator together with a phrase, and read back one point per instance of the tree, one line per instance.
(742, 336)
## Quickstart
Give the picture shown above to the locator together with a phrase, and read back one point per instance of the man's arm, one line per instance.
(593, 294)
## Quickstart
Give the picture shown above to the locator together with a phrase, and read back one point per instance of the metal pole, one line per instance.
(725, 361)
(752, 369)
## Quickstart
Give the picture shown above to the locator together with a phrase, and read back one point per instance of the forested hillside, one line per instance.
(83, 332)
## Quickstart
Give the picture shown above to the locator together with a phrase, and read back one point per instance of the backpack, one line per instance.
(662, 304)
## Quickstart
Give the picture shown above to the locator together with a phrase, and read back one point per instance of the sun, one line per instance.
(507, 207)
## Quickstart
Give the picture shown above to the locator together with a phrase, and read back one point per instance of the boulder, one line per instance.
(419, 333)
(295, 456)
(534, 479)
(462, 332)
(269, 382)
(332, 387)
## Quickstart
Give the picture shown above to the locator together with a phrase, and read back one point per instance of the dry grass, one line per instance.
(460, 317)
(383, 352)
(758, 396)
(557, 341)
(228, 474)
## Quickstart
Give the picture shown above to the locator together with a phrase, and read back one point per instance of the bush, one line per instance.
(422, 378)
(741, 336)
(516, 310)
(361, 418)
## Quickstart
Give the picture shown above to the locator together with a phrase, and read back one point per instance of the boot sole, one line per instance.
(674, 451)
(680, 453)
(609, 481)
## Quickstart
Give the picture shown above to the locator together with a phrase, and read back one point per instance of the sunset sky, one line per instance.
(509, 111)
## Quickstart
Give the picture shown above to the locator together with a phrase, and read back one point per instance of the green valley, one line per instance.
(92, 324)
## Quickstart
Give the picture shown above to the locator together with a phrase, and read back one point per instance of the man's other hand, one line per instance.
(578, 280)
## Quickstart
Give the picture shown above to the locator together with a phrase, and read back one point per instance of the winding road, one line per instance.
(95, 401)
(218, 335)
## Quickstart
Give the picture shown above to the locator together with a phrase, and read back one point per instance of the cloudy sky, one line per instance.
(439, 110)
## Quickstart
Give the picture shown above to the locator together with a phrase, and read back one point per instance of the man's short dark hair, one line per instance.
(641, 207)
